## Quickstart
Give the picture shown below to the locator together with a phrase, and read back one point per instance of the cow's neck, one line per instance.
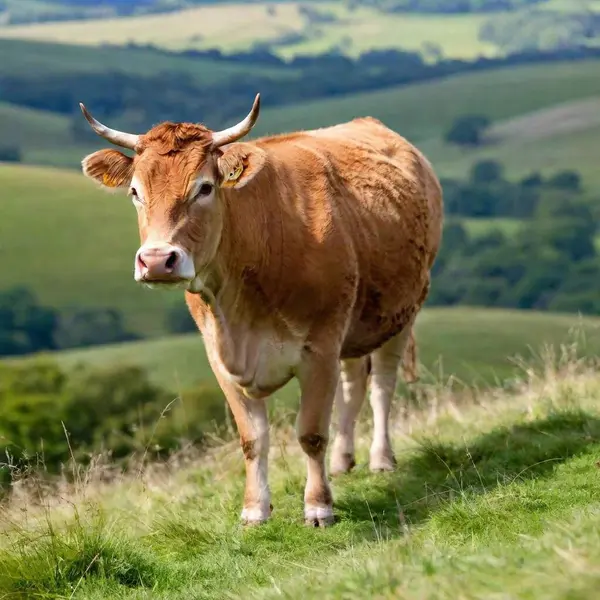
(240, 284)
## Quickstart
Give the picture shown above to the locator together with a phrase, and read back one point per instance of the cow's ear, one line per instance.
(239, 164)
(110, 168)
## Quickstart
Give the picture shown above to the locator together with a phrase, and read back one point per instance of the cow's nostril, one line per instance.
(171, 260)
(141, 262)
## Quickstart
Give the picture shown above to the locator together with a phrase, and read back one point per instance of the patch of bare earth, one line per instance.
(560, 119)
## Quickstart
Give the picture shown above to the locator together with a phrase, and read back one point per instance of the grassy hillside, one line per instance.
(472, 345)
(543, 92)
(40, 58)
(237, 26)
(288, 28)
(497, 497)
(72, 243)
(523, 102)
(43, 138)
(424, 111)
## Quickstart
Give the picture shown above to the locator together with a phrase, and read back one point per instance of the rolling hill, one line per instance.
(420, 112)
(423, 112)
(493, 497)
(291, 28)
(72, 243)
(48, 59)
(238, 26)
(93, 236)
(475, 346)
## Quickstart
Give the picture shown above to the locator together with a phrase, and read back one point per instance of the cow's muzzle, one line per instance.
(163, 263)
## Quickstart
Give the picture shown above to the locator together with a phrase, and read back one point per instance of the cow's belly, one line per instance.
(373, 330)
(260, 364)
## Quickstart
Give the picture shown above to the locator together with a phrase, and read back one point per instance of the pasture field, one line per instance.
(572, 89)
(90, 237)
(497, 497)
(424, 111)
(285, 26)
(73, 244)
(236, 26)
(480, 227)
(51, 59)
(42, 137)
(474, 346)
(545, 117)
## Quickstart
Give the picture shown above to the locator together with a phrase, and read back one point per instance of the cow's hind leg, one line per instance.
(350, 395)
(318, 377)
(385, 362)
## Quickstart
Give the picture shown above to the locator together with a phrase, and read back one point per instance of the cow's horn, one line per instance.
(232, 134)
(119, 138)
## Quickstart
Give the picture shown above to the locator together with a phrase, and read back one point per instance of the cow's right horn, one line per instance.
(119, 138)
(232, 134)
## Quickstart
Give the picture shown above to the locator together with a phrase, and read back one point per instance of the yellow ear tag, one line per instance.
(108, 181)
(234, 175)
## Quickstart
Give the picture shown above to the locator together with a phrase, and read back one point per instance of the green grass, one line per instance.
(568, 151)
(424, 112)
(72, 243)
(475, 346)
(540, 88)
(43, 138)
(44, 59)
(495, 499)
(237, 26)
(480, 227)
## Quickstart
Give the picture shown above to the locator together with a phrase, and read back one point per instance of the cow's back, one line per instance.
(362, 209)
(390, 209)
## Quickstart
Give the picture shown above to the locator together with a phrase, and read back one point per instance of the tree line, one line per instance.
(550, 262)
(50, 416)
(27, 326)
(130, 101)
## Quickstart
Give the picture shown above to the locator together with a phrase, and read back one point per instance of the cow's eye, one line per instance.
(205, 189)
(134, 194)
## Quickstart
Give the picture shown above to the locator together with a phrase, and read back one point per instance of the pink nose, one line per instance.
(158, 263)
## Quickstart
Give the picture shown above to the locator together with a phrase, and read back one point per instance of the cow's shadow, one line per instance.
(439, 471)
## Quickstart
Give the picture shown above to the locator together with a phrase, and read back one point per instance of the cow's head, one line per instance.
(174, 180)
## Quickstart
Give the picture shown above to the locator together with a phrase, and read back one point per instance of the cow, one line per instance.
(305, 255)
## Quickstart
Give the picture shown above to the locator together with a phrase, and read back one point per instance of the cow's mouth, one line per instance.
(182, 284)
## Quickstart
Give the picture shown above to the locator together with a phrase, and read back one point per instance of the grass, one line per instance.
(529, 135)
(521, 157)
(43, 138)
(499, 94)
(541, 88)
(477, 346)
(480, 227)
(497, 498)
(44, 59)
(72, 243)
(237, 26)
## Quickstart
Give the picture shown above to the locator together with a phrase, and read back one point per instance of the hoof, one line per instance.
(255, 515)
(342, 464)
(380, 463)
(319, 516)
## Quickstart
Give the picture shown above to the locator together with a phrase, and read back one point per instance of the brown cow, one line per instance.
(306, 255)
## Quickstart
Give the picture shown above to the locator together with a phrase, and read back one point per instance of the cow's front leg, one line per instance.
(253, 427)
(318, 377)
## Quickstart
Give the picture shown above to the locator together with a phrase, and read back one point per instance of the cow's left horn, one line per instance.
(232, 134)
(119, 138)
